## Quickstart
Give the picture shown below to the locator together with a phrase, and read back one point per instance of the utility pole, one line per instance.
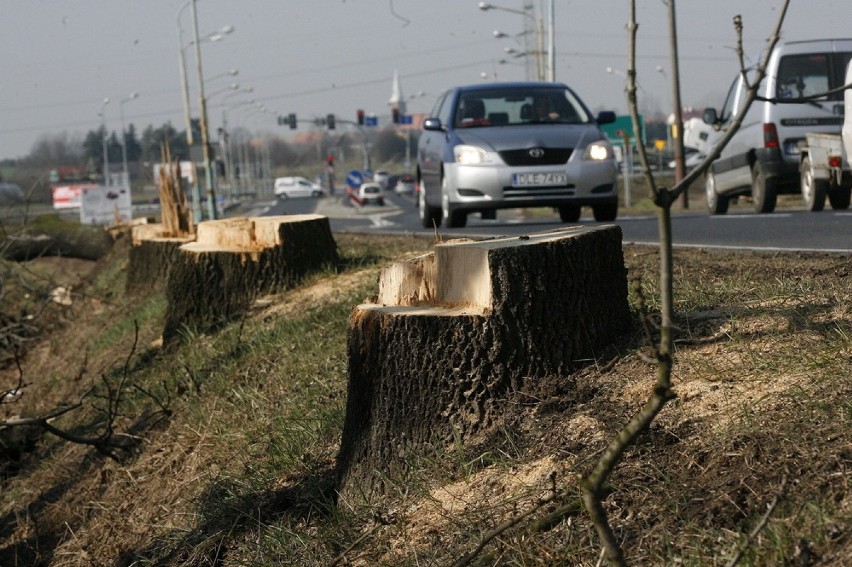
(677, 134)
(551, 43)
(205, 138)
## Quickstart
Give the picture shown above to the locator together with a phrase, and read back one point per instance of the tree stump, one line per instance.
(151, 255)
(454, 333)
(214, 279)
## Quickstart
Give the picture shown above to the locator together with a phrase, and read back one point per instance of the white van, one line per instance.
(291, 187)
(762, 159)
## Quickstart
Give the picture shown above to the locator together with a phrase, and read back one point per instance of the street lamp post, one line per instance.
(106, 152)
(214, 36)
(231, 162)
(545, 70)
(205, 141)
(124, 137)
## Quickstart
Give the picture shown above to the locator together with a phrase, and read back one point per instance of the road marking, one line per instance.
(745, 247)
(754, 216)
(380, 222)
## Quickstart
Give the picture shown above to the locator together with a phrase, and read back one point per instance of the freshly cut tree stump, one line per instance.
(455, 332)
(152, 253)
(214, 279)
(154, 246)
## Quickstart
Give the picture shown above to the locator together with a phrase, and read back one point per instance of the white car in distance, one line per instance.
(294, 187)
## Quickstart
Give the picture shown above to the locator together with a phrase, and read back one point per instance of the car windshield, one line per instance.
(512, 106)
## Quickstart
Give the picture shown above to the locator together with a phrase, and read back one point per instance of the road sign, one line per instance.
(368, 173)
(371, 121)
(354, 179)
(623, 124)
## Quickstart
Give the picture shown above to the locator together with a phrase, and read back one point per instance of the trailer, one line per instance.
(824, 172)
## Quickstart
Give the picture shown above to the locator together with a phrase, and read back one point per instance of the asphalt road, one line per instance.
(790, 228)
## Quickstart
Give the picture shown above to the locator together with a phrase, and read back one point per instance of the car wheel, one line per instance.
(283, 196)
(716, 204)
(569, 213)
(764, 191)
(316, 194)
(605, 213)
(839, 198)
(430, 217)
(813, 190)
(451, 217)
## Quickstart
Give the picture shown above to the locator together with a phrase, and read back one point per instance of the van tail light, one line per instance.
(770, 135)
(835, 161)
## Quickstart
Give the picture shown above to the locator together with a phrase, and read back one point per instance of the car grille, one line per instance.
(552, 156)
(512, 193)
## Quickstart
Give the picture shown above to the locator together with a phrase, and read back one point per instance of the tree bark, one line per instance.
(431, 373)
(150, 262)
(215, 279)
(83, 243)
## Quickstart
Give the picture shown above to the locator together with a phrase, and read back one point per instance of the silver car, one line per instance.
(508, 145)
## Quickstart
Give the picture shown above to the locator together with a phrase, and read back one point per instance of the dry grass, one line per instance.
(241, 472)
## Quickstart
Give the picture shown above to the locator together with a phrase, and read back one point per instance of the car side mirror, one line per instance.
(432, 124)
(710, 117)
(606, 117)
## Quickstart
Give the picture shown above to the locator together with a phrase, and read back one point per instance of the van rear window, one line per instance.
(810, 74)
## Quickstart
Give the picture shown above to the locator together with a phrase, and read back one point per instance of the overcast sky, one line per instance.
(61, 58)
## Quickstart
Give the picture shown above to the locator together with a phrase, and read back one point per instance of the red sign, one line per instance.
(69, 196)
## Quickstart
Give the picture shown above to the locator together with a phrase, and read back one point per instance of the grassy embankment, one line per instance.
(237, 431)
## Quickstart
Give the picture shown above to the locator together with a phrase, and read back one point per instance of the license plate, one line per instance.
(542, 179)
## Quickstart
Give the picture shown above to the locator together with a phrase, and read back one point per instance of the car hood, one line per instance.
(543, 136)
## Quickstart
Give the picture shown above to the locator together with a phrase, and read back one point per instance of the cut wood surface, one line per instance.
(434, 361)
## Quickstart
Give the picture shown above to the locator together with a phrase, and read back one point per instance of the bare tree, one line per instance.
(662, 393)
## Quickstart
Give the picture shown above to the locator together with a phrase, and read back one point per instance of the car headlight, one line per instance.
(471, 155)
(598, 151)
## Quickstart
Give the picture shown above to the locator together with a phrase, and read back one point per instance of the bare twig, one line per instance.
(593, 484)
(507, 525)
(760, 525)
(105, 442)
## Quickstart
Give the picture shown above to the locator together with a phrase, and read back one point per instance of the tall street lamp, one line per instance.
(545, 70)
(106, 153)
(205, 140)
(230, 163)
(184, 84)
(124, 137)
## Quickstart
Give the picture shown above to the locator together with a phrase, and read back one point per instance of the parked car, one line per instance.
(371, 194)
(405, 185)
(381, 177)
(508, 145)
(292, 187)
(10, 193)
(762, 157)
(691, 158)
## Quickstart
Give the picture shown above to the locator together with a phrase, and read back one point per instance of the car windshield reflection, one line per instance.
(519, 106)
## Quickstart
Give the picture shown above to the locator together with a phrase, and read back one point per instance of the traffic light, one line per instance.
(330, 122)
(291, 119)
(360, 117)
(395, 115)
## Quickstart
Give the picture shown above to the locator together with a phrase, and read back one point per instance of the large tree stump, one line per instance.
(454, 333)
(152, 252)
(214, 279)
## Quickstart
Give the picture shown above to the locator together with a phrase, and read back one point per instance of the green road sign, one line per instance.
(624, 125)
